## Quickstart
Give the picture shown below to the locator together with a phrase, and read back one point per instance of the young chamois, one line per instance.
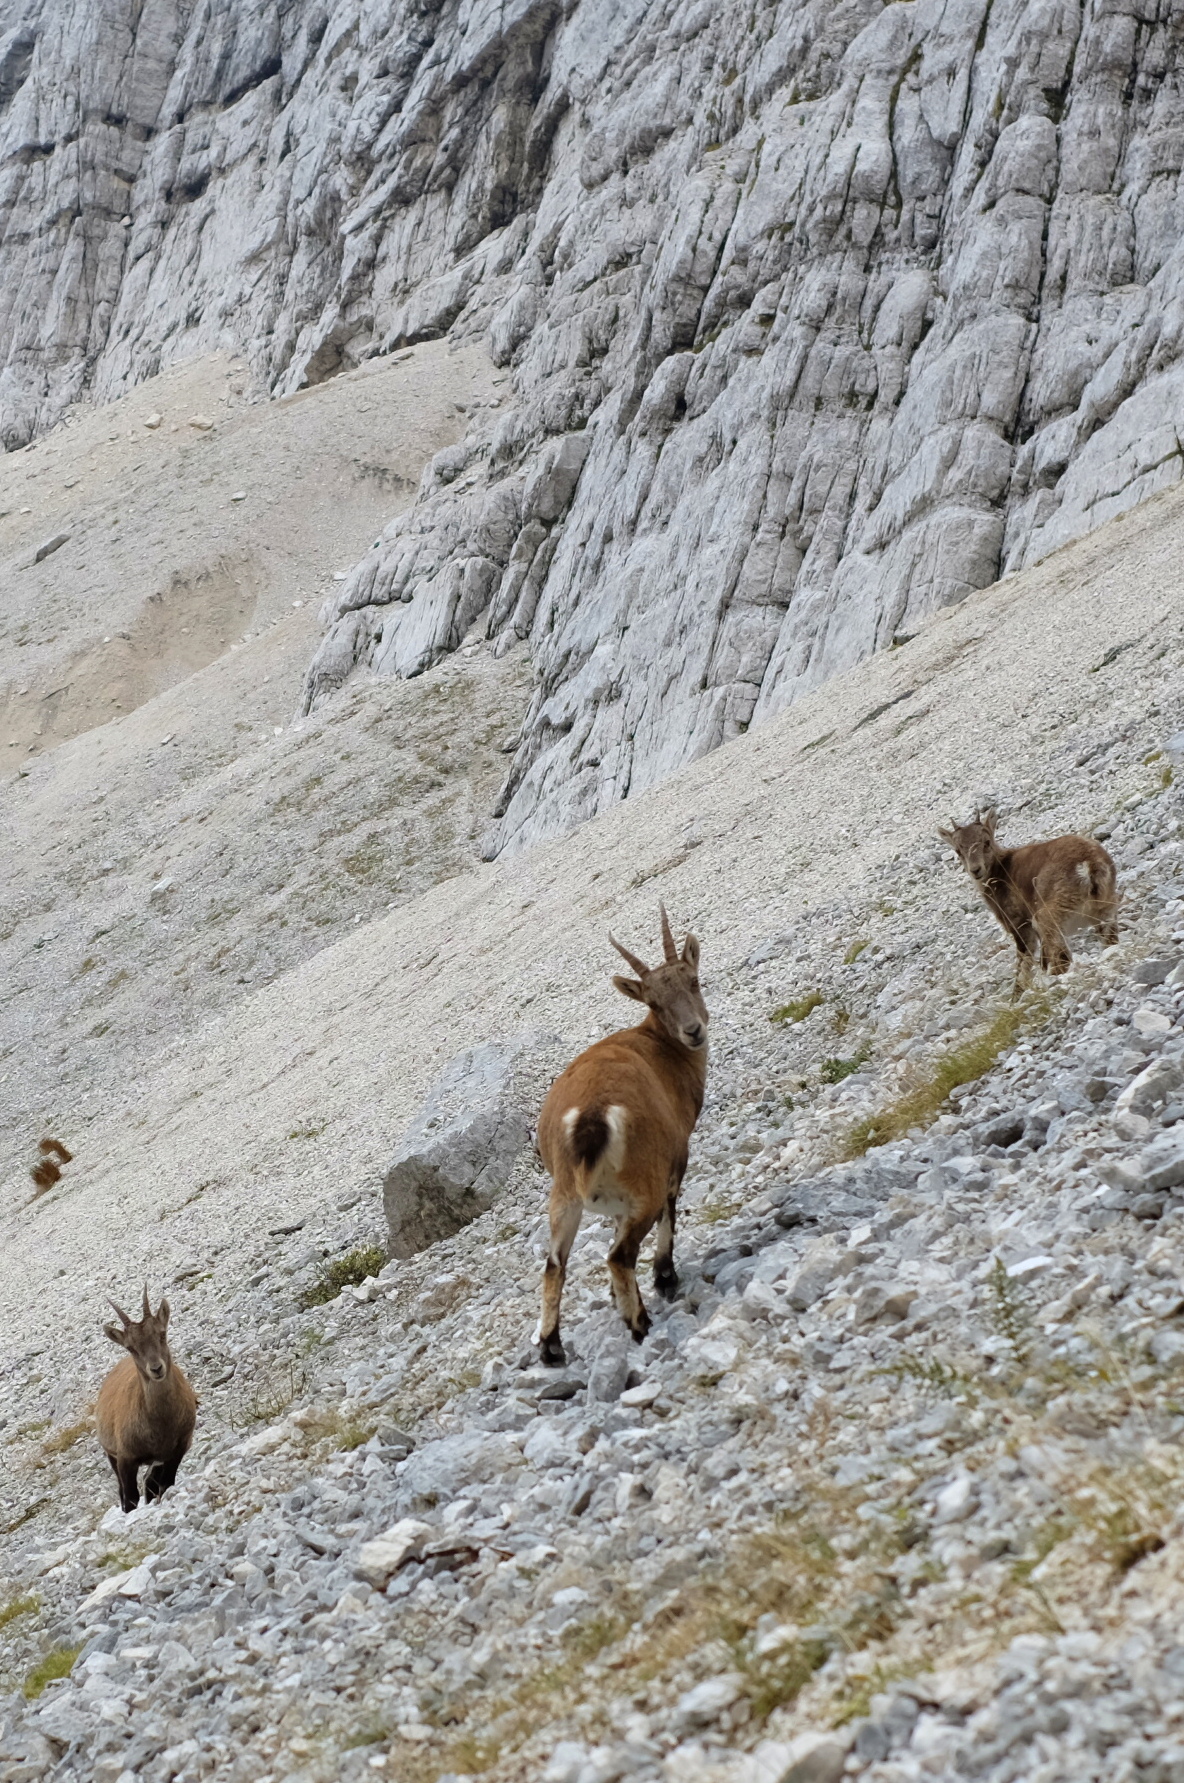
(614, 1130)
(146, 1409)
(1039, 891)
(48, 1168)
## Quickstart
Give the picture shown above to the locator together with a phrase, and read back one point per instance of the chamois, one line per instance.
(146, 1409)
(48, 1168)
(614, 1130)
(1038, 891)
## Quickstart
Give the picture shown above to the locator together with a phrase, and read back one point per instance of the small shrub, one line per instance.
(799, 1009)
(1009, 1314)
(835, 1070)
(347, 1271)
(58, 1664)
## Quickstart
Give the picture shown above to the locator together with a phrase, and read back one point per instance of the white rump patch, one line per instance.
(1082, 872)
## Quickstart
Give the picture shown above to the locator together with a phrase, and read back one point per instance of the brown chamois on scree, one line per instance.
(48, 1168)
(614, 1130)
(1039, 891)
(146, 1409)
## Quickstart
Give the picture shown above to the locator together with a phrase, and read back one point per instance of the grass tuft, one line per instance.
(64, 1439)
(58, 1664)
(799, 1009)
(854, 951)
(347, 1271)
(19, 1606)
(921, 1103)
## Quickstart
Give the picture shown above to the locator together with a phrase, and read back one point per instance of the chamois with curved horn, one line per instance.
(146, 1409)
(1040, 891)
(614, 1132)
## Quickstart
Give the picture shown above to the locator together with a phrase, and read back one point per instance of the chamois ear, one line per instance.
(629, 987)
(690, 952)
(950, 835)
(988, 817)
(162, 1314)
(116, 1335)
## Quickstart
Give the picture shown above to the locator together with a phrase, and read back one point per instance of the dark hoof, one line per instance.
(641, 1330)
(666, 1284)
(551, 1352)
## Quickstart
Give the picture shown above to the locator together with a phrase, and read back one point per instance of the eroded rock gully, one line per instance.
(819, 317)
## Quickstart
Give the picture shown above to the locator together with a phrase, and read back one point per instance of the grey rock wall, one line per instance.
(820, 316)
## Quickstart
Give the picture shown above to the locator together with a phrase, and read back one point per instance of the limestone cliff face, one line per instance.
(820, 315)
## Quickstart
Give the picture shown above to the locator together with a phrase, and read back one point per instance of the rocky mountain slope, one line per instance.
(818, 317)
(892, 1490)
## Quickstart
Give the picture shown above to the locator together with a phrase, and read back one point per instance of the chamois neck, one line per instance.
(695, 1062)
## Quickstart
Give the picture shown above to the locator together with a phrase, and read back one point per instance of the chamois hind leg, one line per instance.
(622, 1266)
(127, 1472)
(665, 1274)
(565, 1214)
(1054, 950)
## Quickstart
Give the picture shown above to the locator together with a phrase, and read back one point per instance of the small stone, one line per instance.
(50, 546)
(153, 420)
(379, 1560)
(1150, 1023)
(1161, 1164)
(202, 423)
(706, 1702)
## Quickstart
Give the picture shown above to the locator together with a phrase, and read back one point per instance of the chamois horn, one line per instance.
(668, 947)
(639, 966)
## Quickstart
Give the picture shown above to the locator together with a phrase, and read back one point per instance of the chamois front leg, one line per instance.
(566, 1212)
(622, 1266)
(127, 1474)
(1025, 949)
(1054, 952)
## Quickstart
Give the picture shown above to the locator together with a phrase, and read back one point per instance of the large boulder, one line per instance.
(461, 1149)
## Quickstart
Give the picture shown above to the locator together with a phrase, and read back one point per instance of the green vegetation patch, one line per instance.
(347, 1271)
(835, 1070)
(799, 1009)
(19, 1606)
(923, 1100)
(55, 1665)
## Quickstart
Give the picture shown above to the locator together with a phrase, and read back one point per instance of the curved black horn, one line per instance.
(638, 965)
(147, 1309)
(668, 947)
(121, 1312)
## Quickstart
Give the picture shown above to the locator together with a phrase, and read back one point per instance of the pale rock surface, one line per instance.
(818, 318)
(458, 1154)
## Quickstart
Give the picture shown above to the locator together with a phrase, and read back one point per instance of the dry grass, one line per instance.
(61, 1440)
(19, 1606)
(58, 1664)
(924, 1098)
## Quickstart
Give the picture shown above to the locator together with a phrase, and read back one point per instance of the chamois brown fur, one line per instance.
(614, 1131)
(48, 1170)
(1039, 891)
(146, 1409)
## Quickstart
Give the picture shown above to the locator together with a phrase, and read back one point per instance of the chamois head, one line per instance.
(671, 990)
(974, 842)
(144, 1339)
